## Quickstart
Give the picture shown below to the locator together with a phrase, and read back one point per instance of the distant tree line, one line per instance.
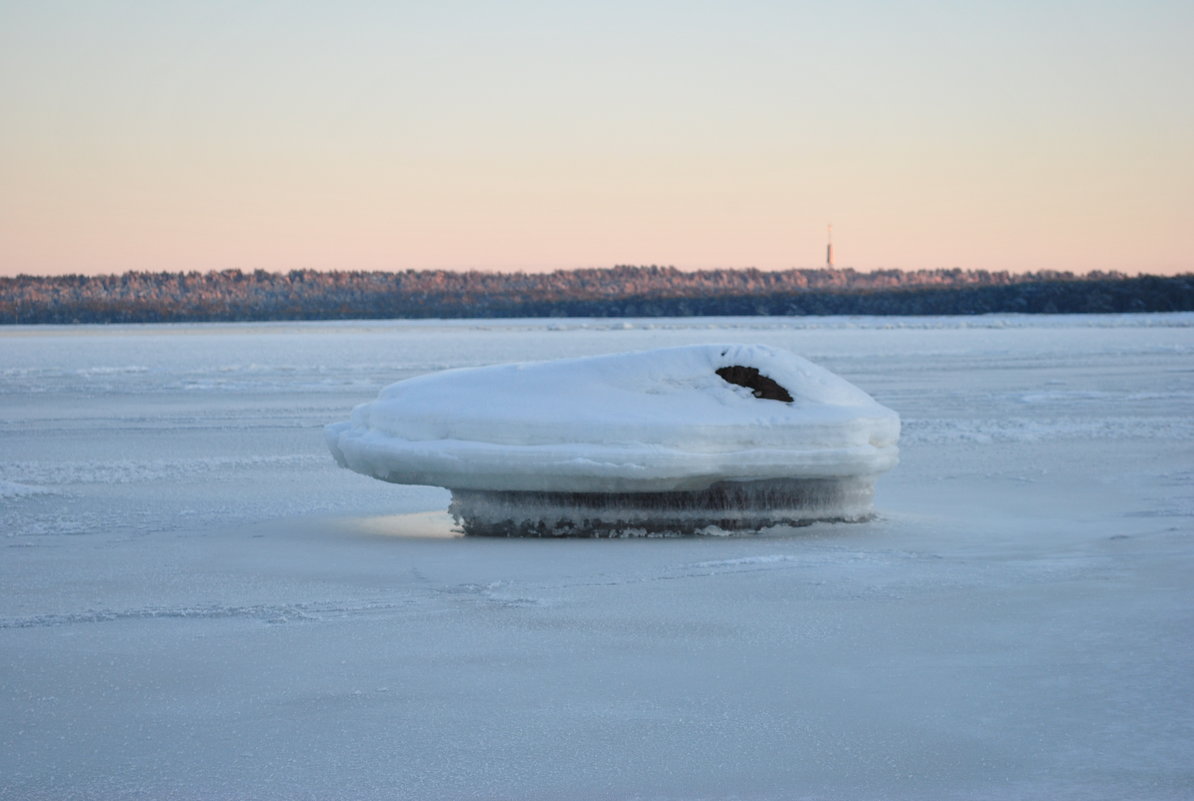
(624, 291)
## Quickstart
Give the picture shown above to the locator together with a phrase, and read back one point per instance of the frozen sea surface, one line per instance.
(196, 603)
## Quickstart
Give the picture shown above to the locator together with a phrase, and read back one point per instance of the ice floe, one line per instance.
(672, 439)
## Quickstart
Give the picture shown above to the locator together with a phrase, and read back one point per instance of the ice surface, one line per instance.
(652, 421)
(11, 489)
(201, 605)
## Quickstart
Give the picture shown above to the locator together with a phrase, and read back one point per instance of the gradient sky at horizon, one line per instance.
(540, 135)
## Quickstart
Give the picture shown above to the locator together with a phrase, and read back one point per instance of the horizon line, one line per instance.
(543, 270)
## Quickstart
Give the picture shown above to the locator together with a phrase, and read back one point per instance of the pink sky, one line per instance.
(278, 136)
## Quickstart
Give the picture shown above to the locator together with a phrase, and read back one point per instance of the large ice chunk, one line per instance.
(706, 431)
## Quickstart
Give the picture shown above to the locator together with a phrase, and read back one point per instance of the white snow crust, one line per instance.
(648, 421)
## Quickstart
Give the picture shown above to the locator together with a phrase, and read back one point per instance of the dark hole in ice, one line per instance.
(760, 385)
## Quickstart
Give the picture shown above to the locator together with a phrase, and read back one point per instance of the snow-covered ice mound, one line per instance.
(663, 441)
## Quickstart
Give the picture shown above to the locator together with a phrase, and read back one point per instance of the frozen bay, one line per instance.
(198, 604)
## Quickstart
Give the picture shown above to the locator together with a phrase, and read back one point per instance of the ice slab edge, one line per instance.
(726, 507)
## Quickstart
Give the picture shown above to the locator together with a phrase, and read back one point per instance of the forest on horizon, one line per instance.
(622, 291)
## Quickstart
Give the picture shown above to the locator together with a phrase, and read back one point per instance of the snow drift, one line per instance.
(670, 440)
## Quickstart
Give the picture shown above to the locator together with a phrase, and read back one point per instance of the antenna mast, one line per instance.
(829, 247)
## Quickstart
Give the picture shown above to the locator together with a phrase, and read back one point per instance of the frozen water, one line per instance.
(11, 489)
(197, 603)
(723, 507)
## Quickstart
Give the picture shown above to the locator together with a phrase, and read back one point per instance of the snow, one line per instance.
(198, 603)
(659, 420)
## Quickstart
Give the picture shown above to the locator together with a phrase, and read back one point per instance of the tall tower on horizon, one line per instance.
(829, 247)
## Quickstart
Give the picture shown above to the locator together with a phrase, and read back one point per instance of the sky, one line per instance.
(521, 135)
